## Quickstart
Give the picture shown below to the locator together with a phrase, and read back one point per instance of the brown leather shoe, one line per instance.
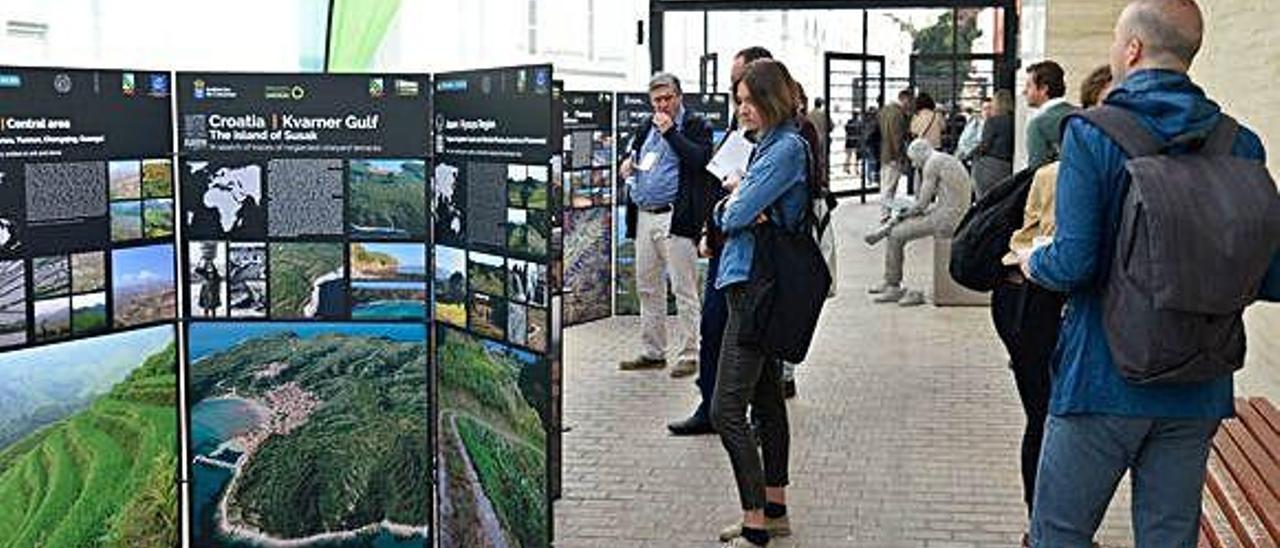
(642, 363)
(684, 368)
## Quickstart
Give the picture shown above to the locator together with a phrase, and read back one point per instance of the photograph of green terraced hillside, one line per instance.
(88, 443)
(309, 434)
(13, 303)
(388, 199)
(491, 445)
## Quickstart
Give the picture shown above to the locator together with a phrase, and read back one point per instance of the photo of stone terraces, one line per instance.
(13, 304)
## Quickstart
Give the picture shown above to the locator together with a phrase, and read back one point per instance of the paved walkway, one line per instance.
(905, 432)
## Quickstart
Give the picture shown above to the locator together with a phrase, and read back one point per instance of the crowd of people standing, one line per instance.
(1088, 422)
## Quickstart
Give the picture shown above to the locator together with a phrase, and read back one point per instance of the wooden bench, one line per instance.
(1242, 488)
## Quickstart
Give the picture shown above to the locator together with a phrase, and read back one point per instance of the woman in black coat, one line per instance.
(994, 155)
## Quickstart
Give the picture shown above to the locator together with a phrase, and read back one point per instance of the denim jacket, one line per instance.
(1092, 181)
(775, 176)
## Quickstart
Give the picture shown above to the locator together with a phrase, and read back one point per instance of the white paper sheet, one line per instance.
(733, 156)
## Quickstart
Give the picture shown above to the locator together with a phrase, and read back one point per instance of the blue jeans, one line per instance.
(715, 314)
(1083, 459)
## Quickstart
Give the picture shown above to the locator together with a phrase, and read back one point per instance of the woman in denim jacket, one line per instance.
(773, 190)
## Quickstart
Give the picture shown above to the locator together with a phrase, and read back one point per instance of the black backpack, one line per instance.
(1198, 230)
(981, 239)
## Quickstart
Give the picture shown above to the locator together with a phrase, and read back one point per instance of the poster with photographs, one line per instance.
(88, 364)
(305, 196)
(633, 113)
(588, 218)
(86, 204)
(305, 256)
(497, 205)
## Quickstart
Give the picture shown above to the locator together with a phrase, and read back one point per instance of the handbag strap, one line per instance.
(931, 122)
(807, 218)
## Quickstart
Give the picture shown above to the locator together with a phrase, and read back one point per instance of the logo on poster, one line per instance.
(486, 84)
(10, 81)
(159, 85)
(541, 80)
(127, 84)
(201, 89)
(286, 93)
(406, 88)
(195, 132)
(377, 88)
(522, 81)
(62, 83)
(446, 86)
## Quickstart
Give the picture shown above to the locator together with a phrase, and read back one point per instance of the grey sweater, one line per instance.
(945, 193)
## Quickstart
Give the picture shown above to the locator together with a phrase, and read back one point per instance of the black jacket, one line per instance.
(692, 143)
(997, 138)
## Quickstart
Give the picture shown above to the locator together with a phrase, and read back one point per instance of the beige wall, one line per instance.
(1078, 35)
(1239, 66)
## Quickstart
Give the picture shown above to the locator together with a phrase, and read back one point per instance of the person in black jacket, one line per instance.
(994, 157)
(667, 184)
(715, 311)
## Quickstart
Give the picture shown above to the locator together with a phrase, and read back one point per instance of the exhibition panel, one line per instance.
(362, 363)
(86, 203)
(88, 420)
(496, 339)
(305, 250)
(588, 191)
(555, 282)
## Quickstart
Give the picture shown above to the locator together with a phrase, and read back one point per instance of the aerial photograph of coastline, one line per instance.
(332, 410)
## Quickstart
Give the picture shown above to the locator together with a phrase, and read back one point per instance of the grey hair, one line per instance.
(663, 80)
(1158, 28)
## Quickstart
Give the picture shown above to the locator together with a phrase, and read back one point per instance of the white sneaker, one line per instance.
(880, 288)
(891, 294)
(911, 298)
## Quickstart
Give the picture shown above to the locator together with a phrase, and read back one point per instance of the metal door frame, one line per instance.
(827, 58)
(1008, 39)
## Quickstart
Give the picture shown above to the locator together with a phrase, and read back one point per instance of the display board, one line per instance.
(588, 224)
(88, 373)
(496, 213)
(633, 112)
(335, 392)
(555, 275)
(304, 253)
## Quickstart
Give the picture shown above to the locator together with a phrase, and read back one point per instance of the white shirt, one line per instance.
(1048, 105)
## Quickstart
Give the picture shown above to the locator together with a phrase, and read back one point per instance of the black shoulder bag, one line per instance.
(787, 288)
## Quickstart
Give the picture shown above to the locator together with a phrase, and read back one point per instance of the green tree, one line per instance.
(936, 39)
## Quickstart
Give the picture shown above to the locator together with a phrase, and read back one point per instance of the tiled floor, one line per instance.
(905, 432)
